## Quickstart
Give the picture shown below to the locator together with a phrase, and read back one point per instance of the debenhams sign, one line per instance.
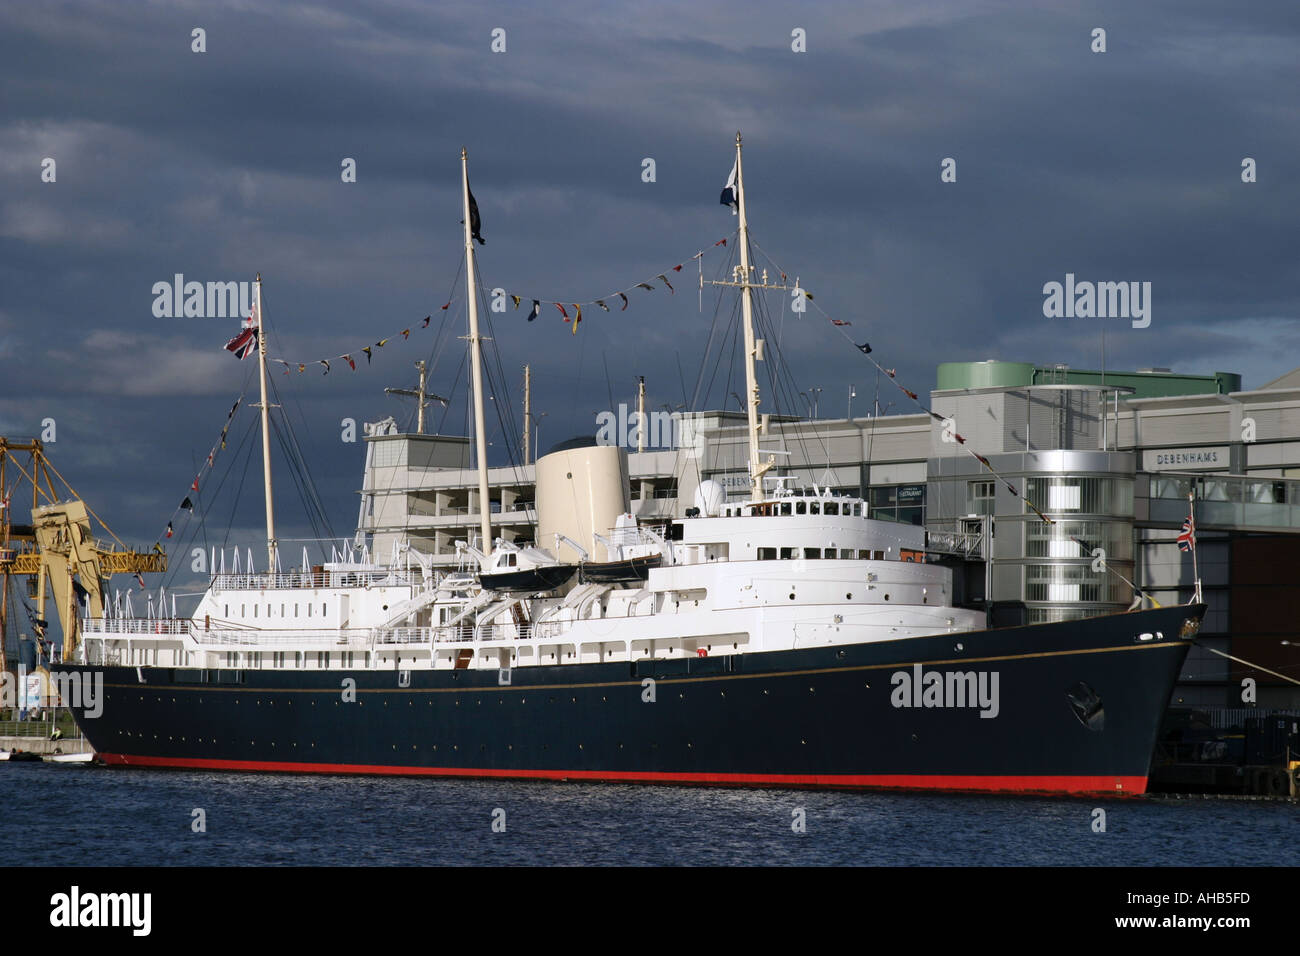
(1209, 458)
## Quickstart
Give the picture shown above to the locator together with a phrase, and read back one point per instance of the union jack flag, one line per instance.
(243, 344)
(1187, 540)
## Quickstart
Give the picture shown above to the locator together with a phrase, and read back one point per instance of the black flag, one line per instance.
(475, 223)
(865, 348)
(537, 308)
(187, 504)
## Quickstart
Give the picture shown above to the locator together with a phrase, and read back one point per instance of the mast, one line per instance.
(419, 415)
(528, 408)
(476, 364)
(744, 279)
(747, 305)
(271, 544)
(640, 413)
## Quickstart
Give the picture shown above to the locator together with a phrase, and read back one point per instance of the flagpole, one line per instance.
(476, 364)
(271, 544)
(1196, 573)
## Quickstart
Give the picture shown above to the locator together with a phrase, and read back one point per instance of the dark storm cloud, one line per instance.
(1115, 166)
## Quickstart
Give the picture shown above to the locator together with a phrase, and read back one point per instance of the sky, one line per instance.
(1122, 165)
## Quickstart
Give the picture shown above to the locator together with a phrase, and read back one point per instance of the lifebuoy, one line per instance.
(702, 652)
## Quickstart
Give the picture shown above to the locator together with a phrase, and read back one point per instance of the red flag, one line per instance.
(562, 312)
(351, 364)
(195, 485)
(169, 530)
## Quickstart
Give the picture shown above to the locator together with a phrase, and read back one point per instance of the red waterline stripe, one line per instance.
(1128, 785)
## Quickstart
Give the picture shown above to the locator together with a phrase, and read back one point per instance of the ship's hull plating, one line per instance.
(1076, 710)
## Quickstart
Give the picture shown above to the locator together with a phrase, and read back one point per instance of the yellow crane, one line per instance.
(58, 549)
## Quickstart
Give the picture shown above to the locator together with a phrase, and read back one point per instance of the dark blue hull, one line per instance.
(1074, 708)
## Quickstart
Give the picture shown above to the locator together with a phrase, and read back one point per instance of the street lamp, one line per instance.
(853, 391)
(817, 394)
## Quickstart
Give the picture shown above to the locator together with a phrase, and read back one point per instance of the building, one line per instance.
(1110, 457)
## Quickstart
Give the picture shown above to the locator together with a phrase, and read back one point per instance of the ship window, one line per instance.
(254, 610)
(510, 560)
(243, 610)
(857, 510)
(814, 508)
(282, 610)
(812, 553)
(767, 554)
(323, 610)
(864, 554)
(832, 508)
(801, 507)
(785, 507)
(295, 610)
(268, 610)
(880, 555)
(309, 610)
(789, 554)
(227, 610)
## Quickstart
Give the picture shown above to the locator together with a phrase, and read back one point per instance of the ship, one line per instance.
(788, 639)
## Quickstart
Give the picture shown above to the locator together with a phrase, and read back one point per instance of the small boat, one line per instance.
(626, 571)
(87, 756)
(526, 570)
(16, 756)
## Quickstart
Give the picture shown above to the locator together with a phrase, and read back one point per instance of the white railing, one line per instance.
(135, 625)
(387, 577)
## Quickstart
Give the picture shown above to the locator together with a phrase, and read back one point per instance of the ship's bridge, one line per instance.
(792, 524)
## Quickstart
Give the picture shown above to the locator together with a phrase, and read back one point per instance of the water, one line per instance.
(67, 815)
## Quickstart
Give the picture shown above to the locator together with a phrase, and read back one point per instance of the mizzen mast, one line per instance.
(476, 364)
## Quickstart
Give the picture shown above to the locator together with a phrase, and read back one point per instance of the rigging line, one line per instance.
(192, 529)
(291, 448)
(1239, 660)
(296, 475)
(239, 491)
(713, 328)
(916, 399)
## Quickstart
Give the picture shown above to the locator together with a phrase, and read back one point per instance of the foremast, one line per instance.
(271, 544)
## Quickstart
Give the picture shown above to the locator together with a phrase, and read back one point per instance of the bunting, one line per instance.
(603, 302)
(865, 349)
(187, 503)
(367, 350)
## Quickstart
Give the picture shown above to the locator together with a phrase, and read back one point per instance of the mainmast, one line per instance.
(476, 365)
(271, 543)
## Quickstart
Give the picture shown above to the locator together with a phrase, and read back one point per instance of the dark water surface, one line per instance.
(86, 816)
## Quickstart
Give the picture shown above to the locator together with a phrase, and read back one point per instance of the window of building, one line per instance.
(980, 497)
